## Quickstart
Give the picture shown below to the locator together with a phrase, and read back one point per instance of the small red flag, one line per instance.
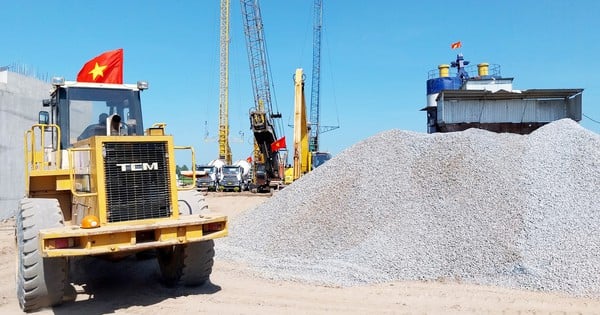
(104, 68)
(278, 145)
(456, 45)
(249, 159)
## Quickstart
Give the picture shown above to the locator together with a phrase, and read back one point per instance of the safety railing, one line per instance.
(39, 156)
(193, 185)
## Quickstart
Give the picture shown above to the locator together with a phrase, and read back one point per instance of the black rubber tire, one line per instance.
(189, 264)
(40, 281)
(170, 262)
(191, 202)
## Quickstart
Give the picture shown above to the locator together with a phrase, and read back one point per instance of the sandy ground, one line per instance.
(132, 287)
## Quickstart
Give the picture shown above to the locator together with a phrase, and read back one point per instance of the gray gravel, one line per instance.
(472, 206)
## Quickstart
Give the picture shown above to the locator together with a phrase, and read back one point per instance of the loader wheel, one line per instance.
(189, 264)
(191, 202)
(40, 281)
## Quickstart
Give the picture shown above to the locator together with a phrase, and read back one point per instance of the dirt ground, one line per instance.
(132, 287)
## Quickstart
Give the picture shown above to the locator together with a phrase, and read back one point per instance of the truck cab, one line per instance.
(206, 177)
(231, 178)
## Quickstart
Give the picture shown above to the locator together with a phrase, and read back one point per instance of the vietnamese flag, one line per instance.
(278, 145)
(456, 45)
(104, 68)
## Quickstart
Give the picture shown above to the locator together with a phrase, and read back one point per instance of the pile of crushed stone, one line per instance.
(520, 211)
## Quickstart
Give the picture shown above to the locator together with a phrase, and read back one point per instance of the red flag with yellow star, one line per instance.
(278, 145)
(104, 68)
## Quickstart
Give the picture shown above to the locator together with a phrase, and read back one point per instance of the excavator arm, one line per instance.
(264, 137)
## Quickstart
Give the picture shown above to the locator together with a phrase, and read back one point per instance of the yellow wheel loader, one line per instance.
(99, 184)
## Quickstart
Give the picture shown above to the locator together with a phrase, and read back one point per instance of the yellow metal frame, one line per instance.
(193, 185)
(115, 239)
(44, 177)
(302, 155)
(35, 159)
(92, 203)
(258, 120)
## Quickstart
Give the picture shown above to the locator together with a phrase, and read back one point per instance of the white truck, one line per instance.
(246, 168)
(206, 177)
(231, 178)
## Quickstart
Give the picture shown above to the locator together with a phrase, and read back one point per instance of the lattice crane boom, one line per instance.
(257, 55)
(315, 107)
(224, 148)
(315, 110)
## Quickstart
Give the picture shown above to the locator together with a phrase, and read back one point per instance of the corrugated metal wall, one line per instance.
(507, 111)
(20, 101)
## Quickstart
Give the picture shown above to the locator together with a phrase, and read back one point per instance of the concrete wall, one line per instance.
(20, 101)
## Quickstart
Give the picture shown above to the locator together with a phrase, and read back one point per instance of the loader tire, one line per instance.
(40, 281)
(191, 202)
(189, 264)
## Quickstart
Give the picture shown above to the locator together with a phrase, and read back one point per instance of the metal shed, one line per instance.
(503, 111)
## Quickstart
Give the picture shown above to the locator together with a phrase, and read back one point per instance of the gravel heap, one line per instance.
(472, 206)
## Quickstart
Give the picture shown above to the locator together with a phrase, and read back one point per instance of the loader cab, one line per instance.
(83, 110)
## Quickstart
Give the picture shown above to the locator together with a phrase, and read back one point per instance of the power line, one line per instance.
(590, 118)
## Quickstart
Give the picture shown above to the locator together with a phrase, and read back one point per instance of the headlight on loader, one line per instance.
(90, 222)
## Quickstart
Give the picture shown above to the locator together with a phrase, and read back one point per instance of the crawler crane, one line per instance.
(265, 124)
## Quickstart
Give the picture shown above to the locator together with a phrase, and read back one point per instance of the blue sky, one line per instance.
(375, 58)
